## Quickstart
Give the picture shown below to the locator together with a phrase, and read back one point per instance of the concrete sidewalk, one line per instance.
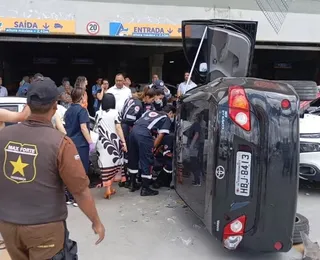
(154, 228)
(158, 228)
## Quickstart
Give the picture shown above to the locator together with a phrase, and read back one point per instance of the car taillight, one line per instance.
(285, 104)
(239, 108)
(278, 246)
(233, 233)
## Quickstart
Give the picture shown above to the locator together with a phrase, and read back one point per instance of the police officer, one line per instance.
(157, 82)
(37, 160)
(132, 110)
(142, 145)
(161, 99)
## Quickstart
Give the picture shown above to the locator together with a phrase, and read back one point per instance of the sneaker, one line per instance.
(196, 183)
(75, 204)
(69, 202)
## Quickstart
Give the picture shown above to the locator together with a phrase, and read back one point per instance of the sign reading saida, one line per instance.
(145, 30)
(20, 162)
(36, 26)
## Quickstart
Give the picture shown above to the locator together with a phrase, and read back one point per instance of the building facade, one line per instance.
(279, 20)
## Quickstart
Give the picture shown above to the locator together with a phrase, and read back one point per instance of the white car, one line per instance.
(17, 104)
(310, 143)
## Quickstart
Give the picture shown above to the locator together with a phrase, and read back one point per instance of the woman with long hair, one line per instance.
(110, 145)
(82, 82)
(77, 125)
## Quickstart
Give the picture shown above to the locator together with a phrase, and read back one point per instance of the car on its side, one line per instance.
(236, 156)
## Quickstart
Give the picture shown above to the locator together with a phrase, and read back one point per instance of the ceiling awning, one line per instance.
(140, 41)
(92, 40)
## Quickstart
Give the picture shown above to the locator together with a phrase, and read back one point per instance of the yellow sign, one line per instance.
(145, 30)
(20, 162)
(37, 26)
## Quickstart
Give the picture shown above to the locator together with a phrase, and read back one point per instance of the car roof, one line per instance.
(13, 100)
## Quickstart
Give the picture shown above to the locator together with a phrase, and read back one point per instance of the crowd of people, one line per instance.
(134, 147)
(129, 138)
(128, 134)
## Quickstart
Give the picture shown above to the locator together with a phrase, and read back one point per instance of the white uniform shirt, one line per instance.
(121, 95)
(183, 87)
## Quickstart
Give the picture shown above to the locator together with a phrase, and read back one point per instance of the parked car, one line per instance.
(17, 104)
(310, 140)
(240, 136)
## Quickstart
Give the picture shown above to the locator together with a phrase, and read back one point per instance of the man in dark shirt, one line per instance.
(142, 145)
(37, 162)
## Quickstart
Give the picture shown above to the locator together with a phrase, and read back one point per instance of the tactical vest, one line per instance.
(31, 190)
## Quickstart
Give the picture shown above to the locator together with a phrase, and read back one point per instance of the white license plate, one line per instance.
(243, 174)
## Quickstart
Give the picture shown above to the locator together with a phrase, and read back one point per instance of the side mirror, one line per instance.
(203, 68)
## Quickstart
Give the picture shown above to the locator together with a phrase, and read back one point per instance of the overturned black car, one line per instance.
(236, 155)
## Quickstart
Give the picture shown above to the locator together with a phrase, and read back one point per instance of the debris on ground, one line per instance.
(196, 226)
(187, 242)
(171, 220)
(171, 206)
(311, 249)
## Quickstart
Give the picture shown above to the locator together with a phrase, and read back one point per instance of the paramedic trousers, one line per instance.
(126, 132)
(33, 242)
(141, 153)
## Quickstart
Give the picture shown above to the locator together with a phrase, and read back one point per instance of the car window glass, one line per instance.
(193, 149)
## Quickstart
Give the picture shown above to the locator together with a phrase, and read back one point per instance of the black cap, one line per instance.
(42, 91)
(158, 84)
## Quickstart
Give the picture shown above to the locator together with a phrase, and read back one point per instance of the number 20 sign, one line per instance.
(93, 28)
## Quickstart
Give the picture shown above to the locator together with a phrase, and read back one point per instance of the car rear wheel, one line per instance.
(301, 225)
(306, 90)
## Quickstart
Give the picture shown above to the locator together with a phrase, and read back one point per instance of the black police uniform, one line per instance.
(132, 110)
(159, 84)
(141, 145)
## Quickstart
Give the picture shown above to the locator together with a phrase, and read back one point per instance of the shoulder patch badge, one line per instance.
(19, 164)
(153, 114)
(137, 108)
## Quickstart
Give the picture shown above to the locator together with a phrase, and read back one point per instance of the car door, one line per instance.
(192, 148)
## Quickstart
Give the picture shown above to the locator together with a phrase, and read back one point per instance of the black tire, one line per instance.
(306, 90)
(301, 225)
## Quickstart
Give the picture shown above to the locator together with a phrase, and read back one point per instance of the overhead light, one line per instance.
(172, 61)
